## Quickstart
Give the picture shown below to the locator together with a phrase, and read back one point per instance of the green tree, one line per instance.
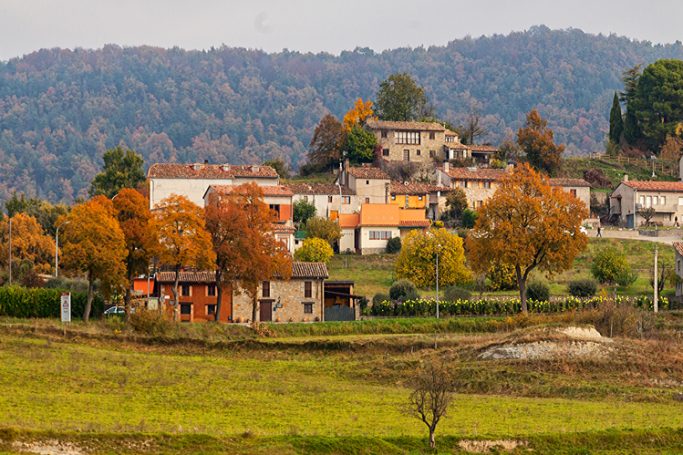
(122, 169)
(611, 268)
(630, 79)
(537, 140)
(323, 228)
(303, 211)
(314, 250)
(616, 122)
(400, 98)
(360, 145)
(280, 167)
(417, 260)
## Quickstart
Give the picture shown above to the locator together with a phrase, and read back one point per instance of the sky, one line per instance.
(315, 25)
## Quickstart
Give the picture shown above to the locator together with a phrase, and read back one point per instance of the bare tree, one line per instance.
(432, 393)
(472, 129)
(647, 214)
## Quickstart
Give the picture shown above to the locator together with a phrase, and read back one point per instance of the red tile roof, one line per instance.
(414, 126)
(466, 173)
(267, 190)
(318, 188)
(672, 187)
(309, 270)
(415, 188)
(208, 171)
(187, 277)
(561, 181)
(413, 218)
(473, 147)
(368, 172)
(678, 246)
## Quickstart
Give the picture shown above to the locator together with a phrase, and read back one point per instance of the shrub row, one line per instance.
(20, 302)
(502, 306)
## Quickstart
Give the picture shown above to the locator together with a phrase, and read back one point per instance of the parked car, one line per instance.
(114, 311)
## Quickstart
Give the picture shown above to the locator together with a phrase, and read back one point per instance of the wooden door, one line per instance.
(265, 310)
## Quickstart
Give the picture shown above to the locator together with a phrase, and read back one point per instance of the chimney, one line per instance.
(446, 166)
(625, 178)
(206, 161)
(438, 177)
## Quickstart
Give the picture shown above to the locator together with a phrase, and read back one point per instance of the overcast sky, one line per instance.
(314, 25)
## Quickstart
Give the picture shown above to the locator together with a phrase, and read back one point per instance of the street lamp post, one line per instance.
(437, 284)
(653, 158)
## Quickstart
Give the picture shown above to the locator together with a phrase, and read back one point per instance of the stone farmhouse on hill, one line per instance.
(632, 196)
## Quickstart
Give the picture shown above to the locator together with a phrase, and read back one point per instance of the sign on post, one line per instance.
(65, 304)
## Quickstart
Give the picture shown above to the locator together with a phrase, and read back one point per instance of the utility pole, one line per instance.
(10, 251)
(656, 297)
(437, 284)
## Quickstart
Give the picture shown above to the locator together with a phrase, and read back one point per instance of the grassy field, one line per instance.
(613, 170)
(374, 274)
(298, 393)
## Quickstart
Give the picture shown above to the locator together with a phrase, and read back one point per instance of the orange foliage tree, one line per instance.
(537, 140)
(358, 114)
(527, 224)
(247, 252)
(29, 243)
(134, 217)
(95, 245)
(183, 238)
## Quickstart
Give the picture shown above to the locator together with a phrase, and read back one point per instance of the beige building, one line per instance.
(370, 184)
(192, 180)
(579, 188)
(478, 184)
(419, 142)
(630, 198)
(327, 198)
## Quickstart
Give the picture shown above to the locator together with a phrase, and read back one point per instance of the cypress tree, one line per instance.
(616, 123)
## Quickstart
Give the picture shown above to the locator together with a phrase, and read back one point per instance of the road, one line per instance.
(632, 234)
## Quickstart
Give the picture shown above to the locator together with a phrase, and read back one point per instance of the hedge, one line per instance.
(19, 302)
(502, 306)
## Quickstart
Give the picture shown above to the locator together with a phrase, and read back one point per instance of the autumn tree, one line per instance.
(280, 167)
(456, 204)
(400, 98)
(325, 147)
(324, 228)
(610, 267)
(183, 238)
(527, 224)
(43, 211)
(30, 245)
(417, 260)
(360, 113)
(616, 122)
(536, 139)
(135, 220)
(672, 148)
(247, 252)
(122, 169)
(94, 244)
(314, 250)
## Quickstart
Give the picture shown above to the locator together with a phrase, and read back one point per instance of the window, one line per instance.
(641, 200)
(211, 309)
(418, 152)
(211, 291)
(329, 199)
(393, 197)
(265, 289)
(432, 135)
(367, 182)
(680, 200)
(432, 153)
(662, 200)
(648, 201)
(185, 308)
(367, 200)
(406, 155)
(419, 198)
(487, 184)
(407, 137)
(346, 199)
(655, 200)
(305, 198)
(276, 209)
(308, 308)
(572, 192)
(308, 289)
(385, 152)
(463, 183)
(380, 235)
(384, 134)
(450, 138)
(185, 290)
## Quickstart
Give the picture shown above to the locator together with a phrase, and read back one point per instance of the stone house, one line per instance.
(631, 197)
(478, 184)
(579, 188)
(678, 268)
(480, 155)
(192, 180)
(418, 142)
(196, 296)
(328, 198)
(369, 183)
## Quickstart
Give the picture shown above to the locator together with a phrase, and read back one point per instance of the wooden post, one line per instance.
(656, 297)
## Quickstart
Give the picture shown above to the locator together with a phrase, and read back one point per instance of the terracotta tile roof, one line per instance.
(379, 215)
(349, 220)
(415, 188)
(561, 181)
(309, 270)
(279, 228)
(368, 172)
(267, 190)
(678, 246)
(187, 277)
(466, 173)
(208, 171)
(672, 187)
(473, 148)
(414, 126)
(413, 218)
(318, 188)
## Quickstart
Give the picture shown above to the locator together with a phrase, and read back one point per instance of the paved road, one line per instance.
(630, 234)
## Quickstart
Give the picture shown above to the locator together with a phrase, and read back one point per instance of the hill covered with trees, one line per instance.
(61, 109)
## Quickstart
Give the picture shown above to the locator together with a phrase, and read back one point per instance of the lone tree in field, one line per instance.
(432, 393)
(611, 268)
(527, 224)
(183, 239)
(536, 139)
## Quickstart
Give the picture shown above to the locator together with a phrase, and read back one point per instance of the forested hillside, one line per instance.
(60, 109)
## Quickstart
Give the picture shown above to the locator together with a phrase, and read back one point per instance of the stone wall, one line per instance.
(287, 301)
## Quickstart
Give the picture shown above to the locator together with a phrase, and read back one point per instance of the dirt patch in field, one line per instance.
(51, 447)
(486, 446)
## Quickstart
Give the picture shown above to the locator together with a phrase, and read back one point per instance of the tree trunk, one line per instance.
(432, 441)
(127, 297)
(219, 295)
(88, 300)
(174, 291)
(521, 282)
(254, 305)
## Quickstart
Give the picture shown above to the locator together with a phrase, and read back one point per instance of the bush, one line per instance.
(583, 288)
(314, 250)
(19, 302)
(150, 322)
(379, 298)
(502, 278)
(394, 245)
(455, 293)
(469, 217)
(538, 291)
(403, 290)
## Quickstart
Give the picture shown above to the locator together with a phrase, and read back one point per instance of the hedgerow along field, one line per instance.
(227, 390)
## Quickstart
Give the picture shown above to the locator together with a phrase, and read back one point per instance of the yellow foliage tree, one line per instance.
(29, 242)
(183, 238)
(417, 260)
(527, 224)
(358, 114)
(314, 250)
(94, 244)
